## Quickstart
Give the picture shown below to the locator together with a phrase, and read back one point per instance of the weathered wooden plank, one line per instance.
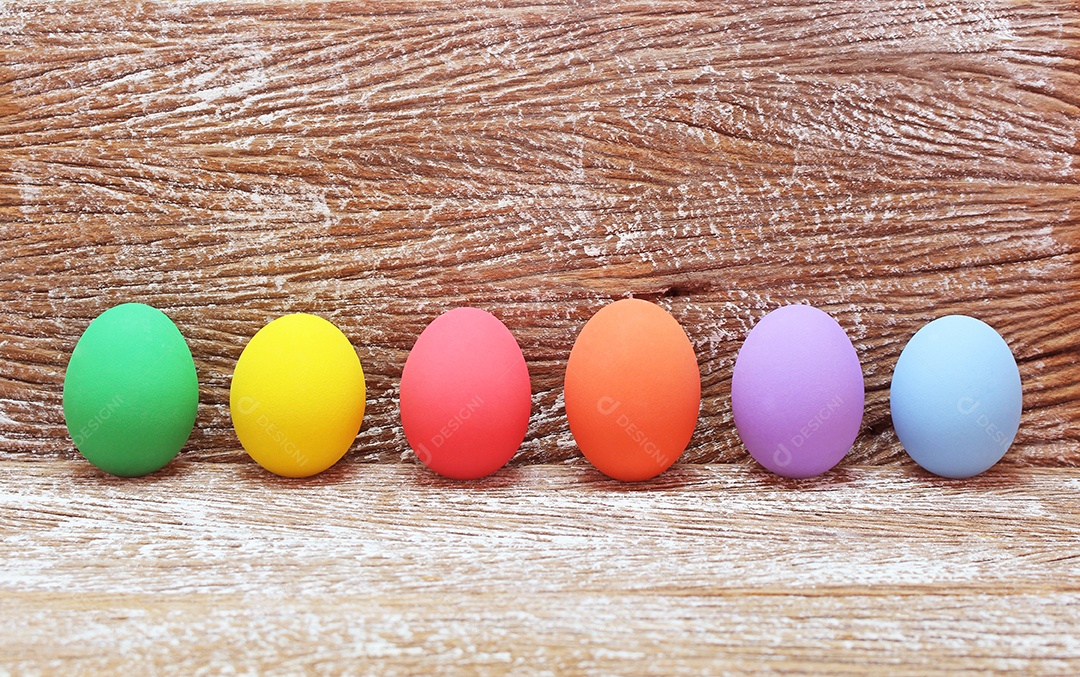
(574, 633)
(378, 163)
(386, 568)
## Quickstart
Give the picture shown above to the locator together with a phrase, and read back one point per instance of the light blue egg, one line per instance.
(956, 397)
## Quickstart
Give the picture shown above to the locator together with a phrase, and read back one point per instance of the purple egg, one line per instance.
(797, 392)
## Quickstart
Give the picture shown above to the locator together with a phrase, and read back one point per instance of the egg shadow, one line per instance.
(675, 478)
(995, 478)
(339, 473)
(169, 473)
(832, 479)
(505, 478)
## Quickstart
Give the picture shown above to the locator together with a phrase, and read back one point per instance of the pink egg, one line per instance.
(465, 395)
(797, 392)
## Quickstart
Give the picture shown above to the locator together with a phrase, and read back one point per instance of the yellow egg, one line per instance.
(297, 396)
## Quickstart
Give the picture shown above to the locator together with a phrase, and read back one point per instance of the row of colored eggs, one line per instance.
(632, 393)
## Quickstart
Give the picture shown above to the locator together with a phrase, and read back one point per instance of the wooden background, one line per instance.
(378, 163)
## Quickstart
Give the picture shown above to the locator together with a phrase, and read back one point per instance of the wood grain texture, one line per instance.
(385, 569)
(380, 162)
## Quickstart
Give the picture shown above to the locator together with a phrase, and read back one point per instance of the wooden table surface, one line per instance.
(377, 163)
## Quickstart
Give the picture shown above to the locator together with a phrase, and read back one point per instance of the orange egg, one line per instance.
(632, 390)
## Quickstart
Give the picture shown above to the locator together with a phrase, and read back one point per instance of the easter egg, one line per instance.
(465, 395)
(797, 392)
(130, 391)
(632, 390)
(297, 395)
(956, 397)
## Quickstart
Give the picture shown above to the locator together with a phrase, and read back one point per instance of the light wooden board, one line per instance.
(383, 568)
(380, 162)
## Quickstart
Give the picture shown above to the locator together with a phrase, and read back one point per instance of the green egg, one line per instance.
(130, 391)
